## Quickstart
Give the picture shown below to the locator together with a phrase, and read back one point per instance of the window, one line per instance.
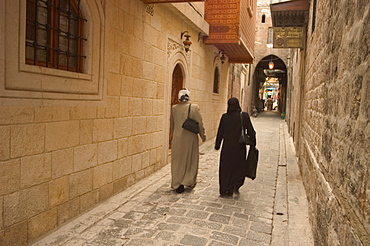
(216, 80)
(313, 16)
(270, 37)
(263, 18)
(72, 69)
(54, 34)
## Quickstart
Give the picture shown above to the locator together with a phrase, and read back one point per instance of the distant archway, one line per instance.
(270, 82)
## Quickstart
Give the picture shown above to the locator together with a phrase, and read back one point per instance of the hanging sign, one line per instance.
(289, 37)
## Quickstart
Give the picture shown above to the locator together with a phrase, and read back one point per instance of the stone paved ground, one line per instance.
(149, 213)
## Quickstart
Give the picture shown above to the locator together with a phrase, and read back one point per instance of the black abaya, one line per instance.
(233, 154)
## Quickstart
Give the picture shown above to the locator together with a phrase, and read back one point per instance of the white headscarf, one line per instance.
(184, 95)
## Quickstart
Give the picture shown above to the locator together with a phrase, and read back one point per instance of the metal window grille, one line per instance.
(216, 80)
(54, 34)
(270, 37)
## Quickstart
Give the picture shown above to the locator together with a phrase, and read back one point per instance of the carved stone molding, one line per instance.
(150, 9)
(174, 47)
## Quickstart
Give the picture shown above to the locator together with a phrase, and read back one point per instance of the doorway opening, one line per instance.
(270, 83)
(177, 85)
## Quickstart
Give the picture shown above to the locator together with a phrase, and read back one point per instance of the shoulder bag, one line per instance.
(252, 161)
(244, 138)
(190, 124)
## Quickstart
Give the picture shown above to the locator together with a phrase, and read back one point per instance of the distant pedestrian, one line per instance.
(269, 103)
(232, 168)
(185, 144)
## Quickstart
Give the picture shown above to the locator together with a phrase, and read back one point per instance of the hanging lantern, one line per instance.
(271, 65)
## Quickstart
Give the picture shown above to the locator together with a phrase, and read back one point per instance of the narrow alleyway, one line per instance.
(271, 210)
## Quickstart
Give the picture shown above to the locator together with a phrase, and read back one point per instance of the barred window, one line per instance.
(270, 37)
(216, 80)
(54, 34)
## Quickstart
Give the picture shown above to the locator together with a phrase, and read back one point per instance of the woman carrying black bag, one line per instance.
(232, 169)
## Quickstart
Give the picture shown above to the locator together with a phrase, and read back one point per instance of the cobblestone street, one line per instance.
(270, 210)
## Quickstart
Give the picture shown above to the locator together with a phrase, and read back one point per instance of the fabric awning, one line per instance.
(291, 13)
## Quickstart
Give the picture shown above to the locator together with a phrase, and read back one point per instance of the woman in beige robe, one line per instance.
(185, 144)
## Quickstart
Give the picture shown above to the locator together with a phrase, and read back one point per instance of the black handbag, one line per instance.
(252, 161)
(190, 124)
(244, 138)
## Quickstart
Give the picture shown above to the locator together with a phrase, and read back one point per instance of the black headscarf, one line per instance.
(233, 105)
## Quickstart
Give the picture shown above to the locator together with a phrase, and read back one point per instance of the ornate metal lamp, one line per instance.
(187, 41)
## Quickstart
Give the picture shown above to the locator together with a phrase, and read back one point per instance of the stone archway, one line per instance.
(177, 73)
(270, 82)
(177, 85)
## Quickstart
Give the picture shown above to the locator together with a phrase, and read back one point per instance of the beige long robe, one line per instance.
(185, 145)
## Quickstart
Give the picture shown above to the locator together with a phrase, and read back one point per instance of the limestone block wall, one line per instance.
(294, 94)
(335, 130)
(61, 154)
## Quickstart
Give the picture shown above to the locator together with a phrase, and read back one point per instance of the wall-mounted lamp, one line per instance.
(221, 55)
(200, 36)
(186, 42)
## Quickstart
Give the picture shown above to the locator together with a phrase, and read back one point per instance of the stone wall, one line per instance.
(294, 94)
(240, 85)
(63, 153)
(334, 130)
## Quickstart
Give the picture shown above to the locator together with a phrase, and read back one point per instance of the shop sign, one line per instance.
(289, 37)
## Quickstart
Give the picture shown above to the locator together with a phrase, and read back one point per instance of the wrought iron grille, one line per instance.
(54, 34)
(216, 80)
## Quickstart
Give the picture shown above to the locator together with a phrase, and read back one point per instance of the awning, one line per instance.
(291, 13)
(236, 52)
(273, 72)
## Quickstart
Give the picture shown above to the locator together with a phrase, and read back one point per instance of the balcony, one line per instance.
(232, 28)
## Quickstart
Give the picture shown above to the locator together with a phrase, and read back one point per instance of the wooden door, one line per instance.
(177, 85)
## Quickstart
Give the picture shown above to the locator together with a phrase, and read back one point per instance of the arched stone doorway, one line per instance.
(270, 81)
(177, 73)
(177, 85)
